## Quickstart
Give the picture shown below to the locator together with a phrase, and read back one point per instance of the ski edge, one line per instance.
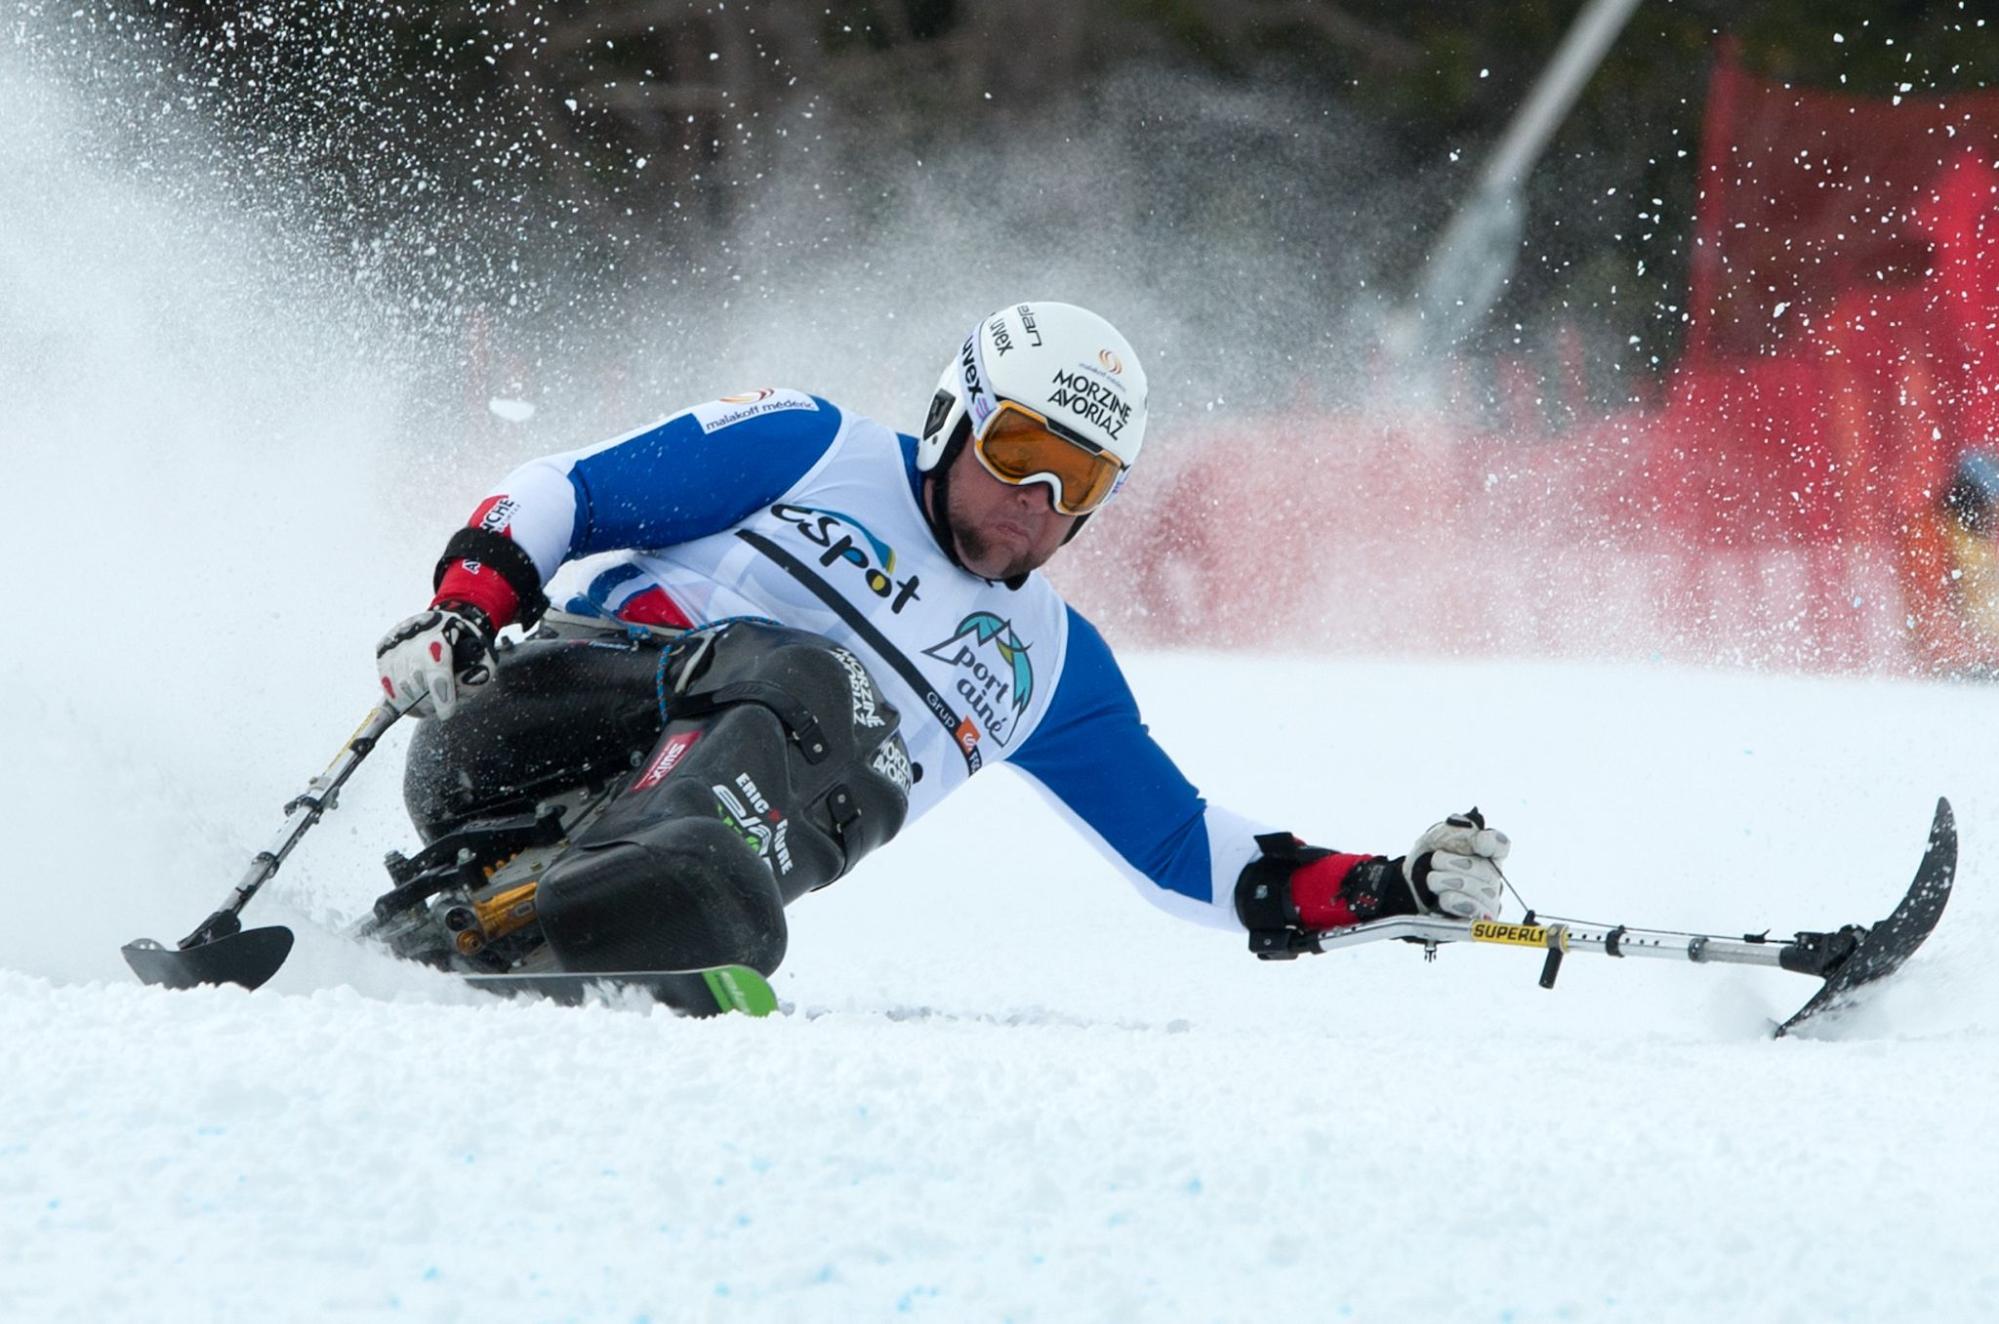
(1923, 903)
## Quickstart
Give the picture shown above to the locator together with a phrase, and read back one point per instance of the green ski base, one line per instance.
(710, 992)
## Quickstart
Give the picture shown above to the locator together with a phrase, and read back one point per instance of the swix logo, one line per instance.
(994, 674)
(744, 808)
(836, 533)
(665, 761)
(495, 514)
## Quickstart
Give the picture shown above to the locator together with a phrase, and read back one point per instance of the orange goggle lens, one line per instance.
(1019, 447)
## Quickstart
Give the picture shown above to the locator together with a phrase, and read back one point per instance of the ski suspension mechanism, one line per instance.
(1845, 958)
(464, 904)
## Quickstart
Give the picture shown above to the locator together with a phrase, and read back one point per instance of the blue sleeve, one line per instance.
(685, 480)
(1094, 755)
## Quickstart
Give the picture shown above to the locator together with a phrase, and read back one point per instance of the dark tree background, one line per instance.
(620, 139)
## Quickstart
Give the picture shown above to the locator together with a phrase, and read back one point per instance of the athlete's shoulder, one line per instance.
(768, 414)
(857, 448)
(700, 470)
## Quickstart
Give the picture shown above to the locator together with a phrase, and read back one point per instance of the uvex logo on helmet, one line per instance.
(979, 401)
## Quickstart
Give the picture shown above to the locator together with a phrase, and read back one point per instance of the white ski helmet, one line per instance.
(1063, 362)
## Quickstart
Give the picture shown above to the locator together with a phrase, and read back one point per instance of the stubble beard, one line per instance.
(973, 546)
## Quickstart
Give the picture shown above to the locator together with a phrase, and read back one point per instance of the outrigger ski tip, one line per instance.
(222, 951)
(247, 957)
(1860, 956)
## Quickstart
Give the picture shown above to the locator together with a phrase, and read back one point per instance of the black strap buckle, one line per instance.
(1283, 944)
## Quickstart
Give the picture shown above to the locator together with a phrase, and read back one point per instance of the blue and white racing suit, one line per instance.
(779, 504)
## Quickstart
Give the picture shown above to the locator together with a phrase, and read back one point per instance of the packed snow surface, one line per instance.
(1006, 1088)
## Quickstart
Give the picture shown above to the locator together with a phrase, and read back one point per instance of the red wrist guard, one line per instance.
(480, 585)
(1315, 891)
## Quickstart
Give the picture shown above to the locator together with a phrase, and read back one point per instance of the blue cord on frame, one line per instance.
(673, 646)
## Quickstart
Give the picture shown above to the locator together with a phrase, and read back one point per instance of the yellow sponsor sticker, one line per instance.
(1517, 935)
(358, 731)
(349, 746)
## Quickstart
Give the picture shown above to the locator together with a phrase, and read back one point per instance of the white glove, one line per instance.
(1454, 867)
(425, 661)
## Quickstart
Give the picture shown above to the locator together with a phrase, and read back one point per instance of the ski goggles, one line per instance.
(1019, 446)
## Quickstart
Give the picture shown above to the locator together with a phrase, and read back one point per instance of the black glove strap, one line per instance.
(506, 558)
(1263, 897)
(473, 613)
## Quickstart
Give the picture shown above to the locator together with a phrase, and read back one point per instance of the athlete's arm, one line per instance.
(698, 472)
(1094, 758)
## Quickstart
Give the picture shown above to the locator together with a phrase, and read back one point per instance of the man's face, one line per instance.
(1001, 530)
